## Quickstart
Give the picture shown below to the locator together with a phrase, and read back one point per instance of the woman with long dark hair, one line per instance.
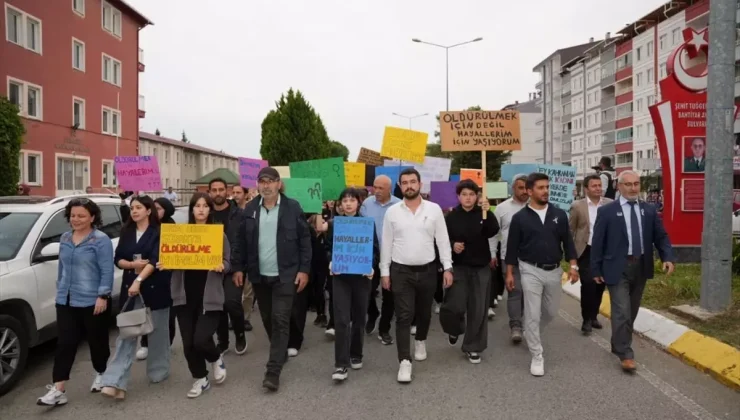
(84, 285)
(137, 255)
(198, 299)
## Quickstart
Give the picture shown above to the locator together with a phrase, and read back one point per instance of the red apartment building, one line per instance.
(72, 67)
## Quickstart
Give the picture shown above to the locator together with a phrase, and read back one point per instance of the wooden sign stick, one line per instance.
(483, 178)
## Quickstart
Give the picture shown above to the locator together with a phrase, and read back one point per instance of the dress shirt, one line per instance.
(372, 208)
(504, 212)
(592, 211)
(409, 238)
(626, 209)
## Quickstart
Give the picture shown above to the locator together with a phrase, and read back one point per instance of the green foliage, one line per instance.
(337, 149)
(11, 139)
(470, 160)
(736, 256)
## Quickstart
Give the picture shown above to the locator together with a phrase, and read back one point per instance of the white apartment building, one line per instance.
(531, 132)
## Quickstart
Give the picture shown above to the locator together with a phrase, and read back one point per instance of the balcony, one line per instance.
(142, 106)
(624, 97)
(624, 73)
(538, 85)
(141, 60)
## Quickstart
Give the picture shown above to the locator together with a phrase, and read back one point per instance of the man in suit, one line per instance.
(622, 257)
(696, 162)
(582, 220)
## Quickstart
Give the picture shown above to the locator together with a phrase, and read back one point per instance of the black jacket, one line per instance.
(293, 241)
(330, 246)
(469, 228)
(156, 288)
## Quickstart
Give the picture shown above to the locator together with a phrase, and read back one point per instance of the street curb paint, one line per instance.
(706, 354)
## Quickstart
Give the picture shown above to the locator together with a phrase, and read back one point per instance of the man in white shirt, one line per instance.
(171, 195)
(504, 212)
(407, 259)
(582, 219)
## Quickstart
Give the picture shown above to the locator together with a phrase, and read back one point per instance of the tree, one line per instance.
(293, 132)
(470, 160)
(185, 137)
(11, 139)
(157, 133)
(337, 149)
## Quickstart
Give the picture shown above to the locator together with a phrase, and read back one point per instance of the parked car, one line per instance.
(30, 229)
(736, 223)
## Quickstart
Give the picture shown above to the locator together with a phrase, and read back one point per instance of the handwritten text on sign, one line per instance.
(354, 174)
(370, 157)
(475, 175)
(404, 144)
(248, 171)
(562, 182)
(330, 171)
(191, 247)
(480, 130)
(138, 173)
(352, 250)
(307, 192)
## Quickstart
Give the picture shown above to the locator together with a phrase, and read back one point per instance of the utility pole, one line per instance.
(716, 252)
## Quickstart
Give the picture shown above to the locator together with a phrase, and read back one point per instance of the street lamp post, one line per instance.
(447, 62)
(411, 118)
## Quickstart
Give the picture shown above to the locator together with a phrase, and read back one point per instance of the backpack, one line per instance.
(611, 189)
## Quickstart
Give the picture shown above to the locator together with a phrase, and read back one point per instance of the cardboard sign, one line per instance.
(370, 157)
(444, 194)
(330, 171)
(191, 247)
(433, 169)
(307, 192)
(138, 173)
(284, 171)
(476, 175)
(497, 190)
(403, 144)
(352, 249)
(248, 170)
(562, 182)
(480, 130)
(354, 174)
(392, 172)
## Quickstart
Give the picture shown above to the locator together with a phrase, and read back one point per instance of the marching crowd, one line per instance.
(279, 258)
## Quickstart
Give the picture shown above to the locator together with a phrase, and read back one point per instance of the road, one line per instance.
(582, 381)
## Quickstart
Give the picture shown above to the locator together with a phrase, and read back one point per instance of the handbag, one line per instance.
(136, 322)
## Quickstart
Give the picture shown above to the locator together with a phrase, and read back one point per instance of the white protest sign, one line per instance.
(433, 169)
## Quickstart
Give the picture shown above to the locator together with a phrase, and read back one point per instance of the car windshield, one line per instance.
(14, 228)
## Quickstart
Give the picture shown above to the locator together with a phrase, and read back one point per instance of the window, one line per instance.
(111, 70)
(22, 29)
(109, 174)
(662, 41)
(52, 232)
(78, 112)
(650, 129)
(639, 53)
(78, 54)
(111, 121)
(30, 167)
(639, 105)
(111, 221)
(639, 131)
(154, 152)
(79, 7)
(166, 156)
(111, 20)
(650, 48)
(71, 174)
(28, 98)
(650, 100)
(676, 34)
(662, 71)
(624, 159)
(639, 79)
(177, 160)
(650, 75)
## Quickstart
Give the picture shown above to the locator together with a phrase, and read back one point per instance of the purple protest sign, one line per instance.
(138, 173)
(444, 194)
(248, 170)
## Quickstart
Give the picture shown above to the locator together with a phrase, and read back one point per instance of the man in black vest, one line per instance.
(607, 175)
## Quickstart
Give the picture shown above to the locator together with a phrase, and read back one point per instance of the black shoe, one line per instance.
(340, 374)
(248, 326)
(385, 338)
(320, 321)
(271, 382)
(586, 327)
(371, 325)
(223, 348)
(596, 324)
(240, 347)
(452, 339)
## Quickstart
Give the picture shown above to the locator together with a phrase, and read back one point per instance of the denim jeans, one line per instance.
(157, 363)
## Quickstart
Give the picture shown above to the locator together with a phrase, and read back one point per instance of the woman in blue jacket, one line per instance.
(137, 255)
(84, 284)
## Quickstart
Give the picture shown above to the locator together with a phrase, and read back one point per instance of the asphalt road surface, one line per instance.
(582, 381)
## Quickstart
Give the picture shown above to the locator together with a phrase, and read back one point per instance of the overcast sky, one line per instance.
(216, 70)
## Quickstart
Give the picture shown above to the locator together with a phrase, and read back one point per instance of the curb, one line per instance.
(706, 354)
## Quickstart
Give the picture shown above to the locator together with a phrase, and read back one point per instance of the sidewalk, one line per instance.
(707, 354)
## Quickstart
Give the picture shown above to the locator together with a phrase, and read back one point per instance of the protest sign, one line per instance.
(248, 170)
(404, 144)
(191, 247)
(354, 174)
(307, 192)
(352, 250)
(330, 171)
(479, 130)
(392, 172)
(433, 169)
(455, 178)
(475, 175)
(138, 173)
(562, 182)
(497, 190)
(510, 170)
(369, 157)
(444, 194)
(284, 171)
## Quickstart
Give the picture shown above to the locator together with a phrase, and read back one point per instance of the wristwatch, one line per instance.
(139, 279)
(574, 267)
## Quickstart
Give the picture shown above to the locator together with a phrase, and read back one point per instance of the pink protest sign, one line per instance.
(138, 173)
(248, 170)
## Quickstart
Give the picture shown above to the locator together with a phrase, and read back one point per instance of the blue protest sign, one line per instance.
(455, 178)
(392, 172)
(510, 170)
(352, 250)
(562, 182)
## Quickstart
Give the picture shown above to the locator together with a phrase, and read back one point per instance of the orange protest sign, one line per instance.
(476, 175)
(480, 130)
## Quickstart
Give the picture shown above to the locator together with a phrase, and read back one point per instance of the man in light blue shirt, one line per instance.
(375, 207)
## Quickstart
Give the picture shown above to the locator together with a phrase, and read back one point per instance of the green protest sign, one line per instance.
(497, 190)
(330, 171)
(306, 191)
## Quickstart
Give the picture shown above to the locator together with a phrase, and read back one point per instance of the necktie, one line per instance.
(635, 230)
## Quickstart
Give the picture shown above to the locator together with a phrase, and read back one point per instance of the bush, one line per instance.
(736, 256)
(11, 139)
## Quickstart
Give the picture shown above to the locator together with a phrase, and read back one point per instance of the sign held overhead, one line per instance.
(480, 130)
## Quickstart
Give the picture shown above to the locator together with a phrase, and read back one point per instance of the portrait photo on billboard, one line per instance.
(694, 150)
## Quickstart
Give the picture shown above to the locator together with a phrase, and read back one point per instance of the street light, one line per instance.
(411, 118)
(447, 60)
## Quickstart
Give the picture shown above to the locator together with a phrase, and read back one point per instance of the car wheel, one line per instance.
(13, 352)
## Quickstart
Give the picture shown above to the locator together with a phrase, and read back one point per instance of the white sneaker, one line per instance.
(292, 352)
(420, 350)
(329, 332)
(339, 374)
(437, 307)
(500, 297)
(404, 372)
(495, 302)
(219, 370)
(53, 397)
(199, 387)
(491, 314)
(413, 330)
(97, 384)
(537, 368)
(142, 353)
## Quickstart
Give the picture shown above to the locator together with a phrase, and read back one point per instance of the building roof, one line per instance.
(659, 14)
(179, 143)
(567, 54)
(227, 175)
(529, 107)
(143, 20)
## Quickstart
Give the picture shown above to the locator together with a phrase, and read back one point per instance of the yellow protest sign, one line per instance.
(480, 130)
(404, 144)
(191, 247)
(354, 174)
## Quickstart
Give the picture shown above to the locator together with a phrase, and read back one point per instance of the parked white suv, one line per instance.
(30, 228)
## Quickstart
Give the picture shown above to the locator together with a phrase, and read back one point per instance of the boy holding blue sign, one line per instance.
(352, 245)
